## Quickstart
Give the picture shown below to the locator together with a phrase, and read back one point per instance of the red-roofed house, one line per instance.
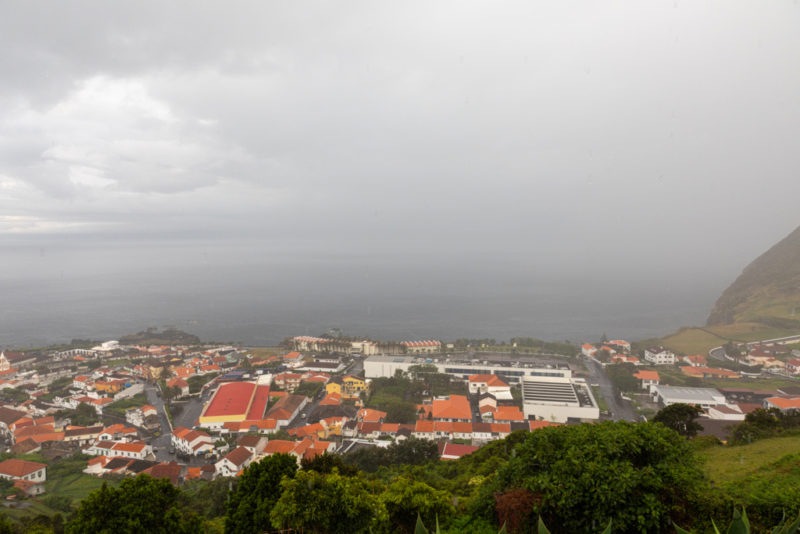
(783, 404)
(233, 462)
(696, 361)
(23, 470)
(454, 451)
(191, 442)
(455, 408)
(793, 366)
(648, 378)
(180, 384)
(487, 384)
(369, 415)
(508, 414)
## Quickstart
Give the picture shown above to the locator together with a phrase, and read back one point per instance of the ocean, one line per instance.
(54, 296)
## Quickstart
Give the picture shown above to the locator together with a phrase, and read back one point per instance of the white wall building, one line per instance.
(659, 356)
(508, 370)
(557, 399)
(703, 397)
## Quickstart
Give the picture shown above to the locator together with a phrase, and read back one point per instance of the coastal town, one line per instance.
(207, 411)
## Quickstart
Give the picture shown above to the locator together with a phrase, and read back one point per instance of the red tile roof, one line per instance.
(19, 468)
(231, 399)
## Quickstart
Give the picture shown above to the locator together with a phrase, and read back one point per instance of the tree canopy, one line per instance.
(250, 504)
(681, 418)
(580, 477)
(140, 504)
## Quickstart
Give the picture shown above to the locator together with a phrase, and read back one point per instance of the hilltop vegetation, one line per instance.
(169, 336)
(768, 290)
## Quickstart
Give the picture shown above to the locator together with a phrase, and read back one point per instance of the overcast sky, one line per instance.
(618, 136)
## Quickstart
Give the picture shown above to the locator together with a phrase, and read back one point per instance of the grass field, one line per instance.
(264, 352)
(74, 486)
(725, 464)
(700, 341)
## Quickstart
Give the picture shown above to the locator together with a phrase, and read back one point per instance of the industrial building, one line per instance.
(510, 368)
(557, 399)
(703, 397)
(236, 402)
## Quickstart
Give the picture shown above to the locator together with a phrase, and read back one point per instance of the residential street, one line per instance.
(620, 409)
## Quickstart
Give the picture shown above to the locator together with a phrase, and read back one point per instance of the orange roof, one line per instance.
(292, 356)
(177, 383)
(276, 446)
(51, 436)
(785, 404)
(19, 468)
(489, 380)
(456, 407)
(136, 446)
(331, 399)
(423, 426)
(443, 426)
(371, 416)
(193, 472)
(535, 425)
(647, 375)
(508, 413)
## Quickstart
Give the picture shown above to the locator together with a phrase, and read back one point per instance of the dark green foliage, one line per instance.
(621, 375)
(412, 451)
(207, 498)
(327, 504)
(406, 500)
(61, 503)
(639, 475)
(140, 504)
(196, 382)
(258, 490)
(762, 423)
(400, 412)
(325, 463)
(309, 389)
(6, 527)
(682, 418)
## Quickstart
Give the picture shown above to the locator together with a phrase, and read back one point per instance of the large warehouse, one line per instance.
(557, 399)
(236, 402)
(506, 366)
(703, 397)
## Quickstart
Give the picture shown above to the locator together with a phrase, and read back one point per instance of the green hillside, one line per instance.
(767, 291)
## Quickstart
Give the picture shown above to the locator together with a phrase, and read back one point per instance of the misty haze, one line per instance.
(399, 267)
(498, 170)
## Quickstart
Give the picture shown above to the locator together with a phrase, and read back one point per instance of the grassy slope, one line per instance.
(727, 464)
(701, 340)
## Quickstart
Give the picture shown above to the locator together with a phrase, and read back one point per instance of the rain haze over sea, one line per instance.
(397, 170)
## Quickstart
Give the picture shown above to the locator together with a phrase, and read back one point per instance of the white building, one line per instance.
(557, 399)
(138, 450)
(659, 356)
(703, 397)
(191, 442)
(726, 412)
(233, 462)
(14, 469)
(506, 368)
(422, 347)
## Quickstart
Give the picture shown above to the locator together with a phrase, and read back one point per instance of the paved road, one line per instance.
(620, 409)
(161, 443)
(190, 411)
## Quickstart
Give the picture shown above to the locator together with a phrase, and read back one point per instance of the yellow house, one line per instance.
(349, 387)
(353, 386)
(333, 387)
